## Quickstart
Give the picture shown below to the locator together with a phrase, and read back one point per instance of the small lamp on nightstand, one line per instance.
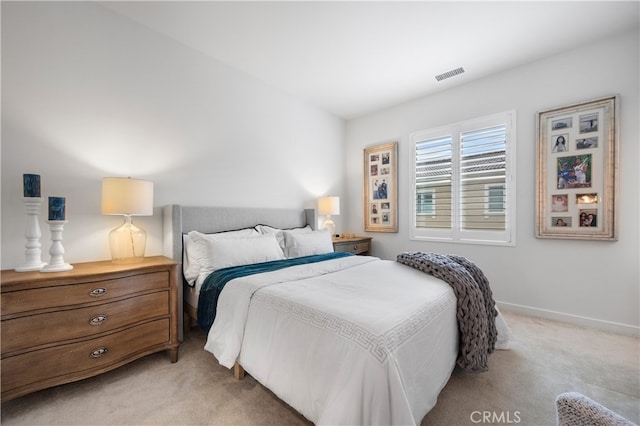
(328, 206)
(127, 197)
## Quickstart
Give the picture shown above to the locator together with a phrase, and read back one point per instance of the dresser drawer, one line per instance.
(15, 302)
(66, 363)
(355, 247)
(59, 326)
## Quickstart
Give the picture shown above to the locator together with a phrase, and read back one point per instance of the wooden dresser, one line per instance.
(65, 326)
(355, 245)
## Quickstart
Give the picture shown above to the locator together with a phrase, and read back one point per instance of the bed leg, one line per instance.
(238, 371)
(186, 325)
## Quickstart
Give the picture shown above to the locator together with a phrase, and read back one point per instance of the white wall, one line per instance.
(87, 93)
(588, 282)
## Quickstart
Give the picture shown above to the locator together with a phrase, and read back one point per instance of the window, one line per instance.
(463, 181)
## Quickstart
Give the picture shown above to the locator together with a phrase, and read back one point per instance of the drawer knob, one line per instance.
(97, 292)
(98, 319)
(355, 247)
(98, 352)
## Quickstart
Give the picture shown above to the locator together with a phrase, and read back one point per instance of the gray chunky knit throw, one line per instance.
(575, 409)
(476, 312)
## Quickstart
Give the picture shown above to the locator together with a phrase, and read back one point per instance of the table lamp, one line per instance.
(127, 197)
(328, 206)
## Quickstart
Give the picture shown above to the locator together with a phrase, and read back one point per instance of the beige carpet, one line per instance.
(547, 358)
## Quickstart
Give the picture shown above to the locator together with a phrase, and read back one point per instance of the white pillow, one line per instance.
(195, 252)
(307, 243)
(227, 252)
(266, 230)
(190, 266)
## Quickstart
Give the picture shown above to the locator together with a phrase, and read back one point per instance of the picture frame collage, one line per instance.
(380, 188)
(577, 171)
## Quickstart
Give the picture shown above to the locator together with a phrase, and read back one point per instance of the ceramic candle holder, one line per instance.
(32, 234)
(57, 263)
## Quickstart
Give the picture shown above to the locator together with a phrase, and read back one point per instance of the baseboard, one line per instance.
(609, 326)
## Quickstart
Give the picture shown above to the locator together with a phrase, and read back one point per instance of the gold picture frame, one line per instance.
(577, 171)
(381, 188)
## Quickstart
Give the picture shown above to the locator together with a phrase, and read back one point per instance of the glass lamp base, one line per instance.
(127, 243)
(330, 226)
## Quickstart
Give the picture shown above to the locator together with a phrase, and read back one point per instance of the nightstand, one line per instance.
(61, 327)
(355, 245)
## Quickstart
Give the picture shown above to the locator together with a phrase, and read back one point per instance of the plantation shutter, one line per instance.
(433, 165)
(483, 178)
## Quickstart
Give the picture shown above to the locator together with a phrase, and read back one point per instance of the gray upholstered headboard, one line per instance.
(179, 220)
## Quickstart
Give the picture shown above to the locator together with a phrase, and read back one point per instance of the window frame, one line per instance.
(456, 233)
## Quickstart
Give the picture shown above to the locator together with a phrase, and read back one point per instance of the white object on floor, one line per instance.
(504, 333)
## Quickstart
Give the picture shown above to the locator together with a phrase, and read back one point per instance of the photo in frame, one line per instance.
(381, 188)
(577, 171)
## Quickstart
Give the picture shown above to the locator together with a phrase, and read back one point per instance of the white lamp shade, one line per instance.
(127, 196)
(329, 206)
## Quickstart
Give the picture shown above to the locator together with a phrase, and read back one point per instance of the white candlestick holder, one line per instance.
(33, 252)
(57, 263)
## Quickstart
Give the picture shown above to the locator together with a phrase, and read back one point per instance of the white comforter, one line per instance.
(355, 340)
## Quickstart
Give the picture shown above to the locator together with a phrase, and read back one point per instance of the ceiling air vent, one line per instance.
(449, 74)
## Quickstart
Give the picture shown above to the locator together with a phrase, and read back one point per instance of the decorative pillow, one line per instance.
(195, 252)
(307, 243)
(266, 229)
(226, 252)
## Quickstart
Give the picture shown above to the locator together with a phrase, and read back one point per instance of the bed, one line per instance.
(342, 339)
(179, 220)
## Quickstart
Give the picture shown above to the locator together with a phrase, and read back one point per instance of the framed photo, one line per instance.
(381, 188)
(577, 171)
